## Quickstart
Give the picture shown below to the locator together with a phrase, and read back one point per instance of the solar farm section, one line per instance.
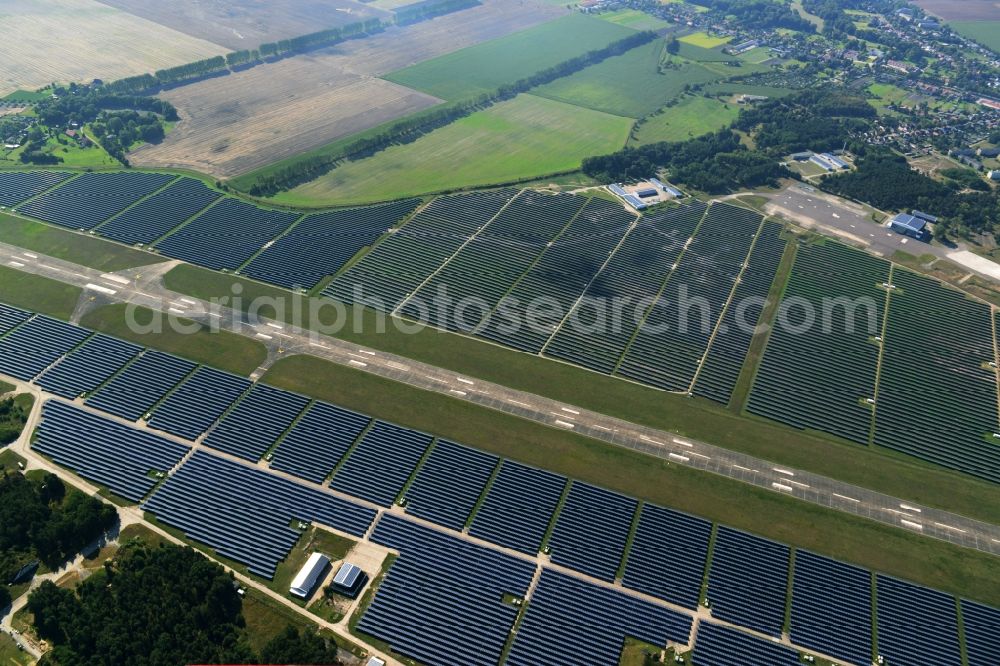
(19, 186)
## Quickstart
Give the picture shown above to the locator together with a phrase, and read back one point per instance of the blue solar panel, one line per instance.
(198, 403)
(441, 602)
(141, 385)
(571, 622)
(832, 608)
(257, 422)
(88, 367)
(982, 633)
(449, 484)
(914, 622)
(244, 513)
(592, 530)
(104, 451)
(37, 344)
(157, 215)
(519, 507)
(748, 581)
(11, 317)
(381, 463)
(668, 555)
(315, 445)
(722, 646)
(18, 186)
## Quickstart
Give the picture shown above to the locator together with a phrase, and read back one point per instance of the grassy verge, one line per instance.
(701, 419)
(867, 543)
(6, 388)
(266, 618)
(71, 246)
(10, 654)
(315, 540)
(222, 349)
(37, 293)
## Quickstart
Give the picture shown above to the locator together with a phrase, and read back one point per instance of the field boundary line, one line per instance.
(52, 188)
(132, 205)
(881, 356)
(725, 308)
(185, 223)
(996, 355)
(395, 312)
(266, 246)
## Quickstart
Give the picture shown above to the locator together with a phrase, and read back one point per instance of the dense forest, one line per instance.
(160, 606)
(810, 120)
(761, 14)
(410, 129)
(42, 519)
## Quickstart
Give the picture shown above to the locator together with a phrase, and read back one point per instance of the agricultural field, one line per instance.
(79, 40)
(243, 121)
(631, 85)
(245, 25)
(704, 40)
(635, 19)
(692, 116)
(520, 138)
(986, 33)
(966, 10)
(482, 68)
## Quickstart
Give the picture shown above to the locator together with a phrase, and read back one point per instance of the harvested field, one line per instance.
(79, 40)
(986, 33)
(966, 10)
(245, 24)
(234, 124)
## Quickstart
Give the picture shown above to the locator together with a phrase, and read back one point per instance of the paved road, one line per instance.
(142, 286)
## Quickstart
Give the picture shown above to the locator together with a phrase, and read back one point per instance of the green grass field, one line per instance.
(37, 293)
(522, 138)
(704, 40)
(71, 246)
(986, 33)
(484, 67)
(635, 19)
(629, 85)
(223, 350)
(692, 116)
(880, 547)
(700, 419)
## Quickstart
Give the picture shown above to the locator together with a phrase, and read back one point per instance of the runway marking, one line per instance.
(677, 456)
(360, 364)
(745, 469)
(117, 278)
(682, 442)
(273, 325)
(103, 290)
(949, 527)
(571, 411)
(178, 311)
(912, 525)
(188, 301)
(435, 379)
(781, 486)
(262, 336)
(457, 392)
(367, 351)
(519, 403)
(397, 366)
(602, 427)
(701, 455)
(799, 484)
(783, 471)
(30, 255)
(465, 381)
(15, 264)
(845, 497)
(907, 507)
(565, 424)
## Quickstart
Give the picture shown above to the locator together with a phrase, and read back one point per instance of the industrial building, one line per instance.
(304, 581)
(911, 226)
(349, 580)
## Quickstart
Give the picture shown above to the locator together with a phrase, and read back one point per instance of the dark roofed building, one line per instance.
(908, 225)
(349, 580)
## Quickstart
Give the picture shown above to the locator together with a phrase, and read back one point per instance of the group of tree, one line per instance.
(411, 128)
(41, 519)
(761, 14)
(428, 9)
(160, 605)
(13, 416)
(885, 180)
(714, 163)
(118, 131)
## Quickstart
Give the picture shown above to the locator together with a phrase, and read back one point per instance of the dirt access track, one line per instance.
(246, 120)
(245, 24)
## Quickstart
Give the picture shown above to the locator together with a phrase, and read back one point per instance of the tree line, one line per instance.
(761, 14)
(158, 606)
(409, 129)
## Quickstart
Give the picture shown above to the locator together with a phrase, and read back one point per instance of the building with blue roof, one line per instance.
(911, 226)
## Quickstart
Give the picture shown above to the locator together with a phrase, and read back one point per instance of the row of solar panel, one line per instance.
(185, 219)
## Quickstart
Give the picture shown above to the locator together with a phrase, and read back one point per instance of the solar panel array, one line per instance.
(518, 508)
(256, 423)
(668, 556)
(723, 646)
(592, 530)
(104, 451)
(226, 235)
(729, 348)
(571, 622)
(18, 186)
(937, 396)
(92, 364)
(317, 442)
(131, 394)
(381, 463)
(11, 318)
(449, 484)
(198, 403)
(486, 267)
(982, 633)
(441, 602)
(320, 244)
(791, 386)
(748, 581)
(36, 344)
(400, 263)
(672, 341)
(832, 608)
(559, 277)
(913, 621)
(91, 198)
(156, 216)
(244, 513)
